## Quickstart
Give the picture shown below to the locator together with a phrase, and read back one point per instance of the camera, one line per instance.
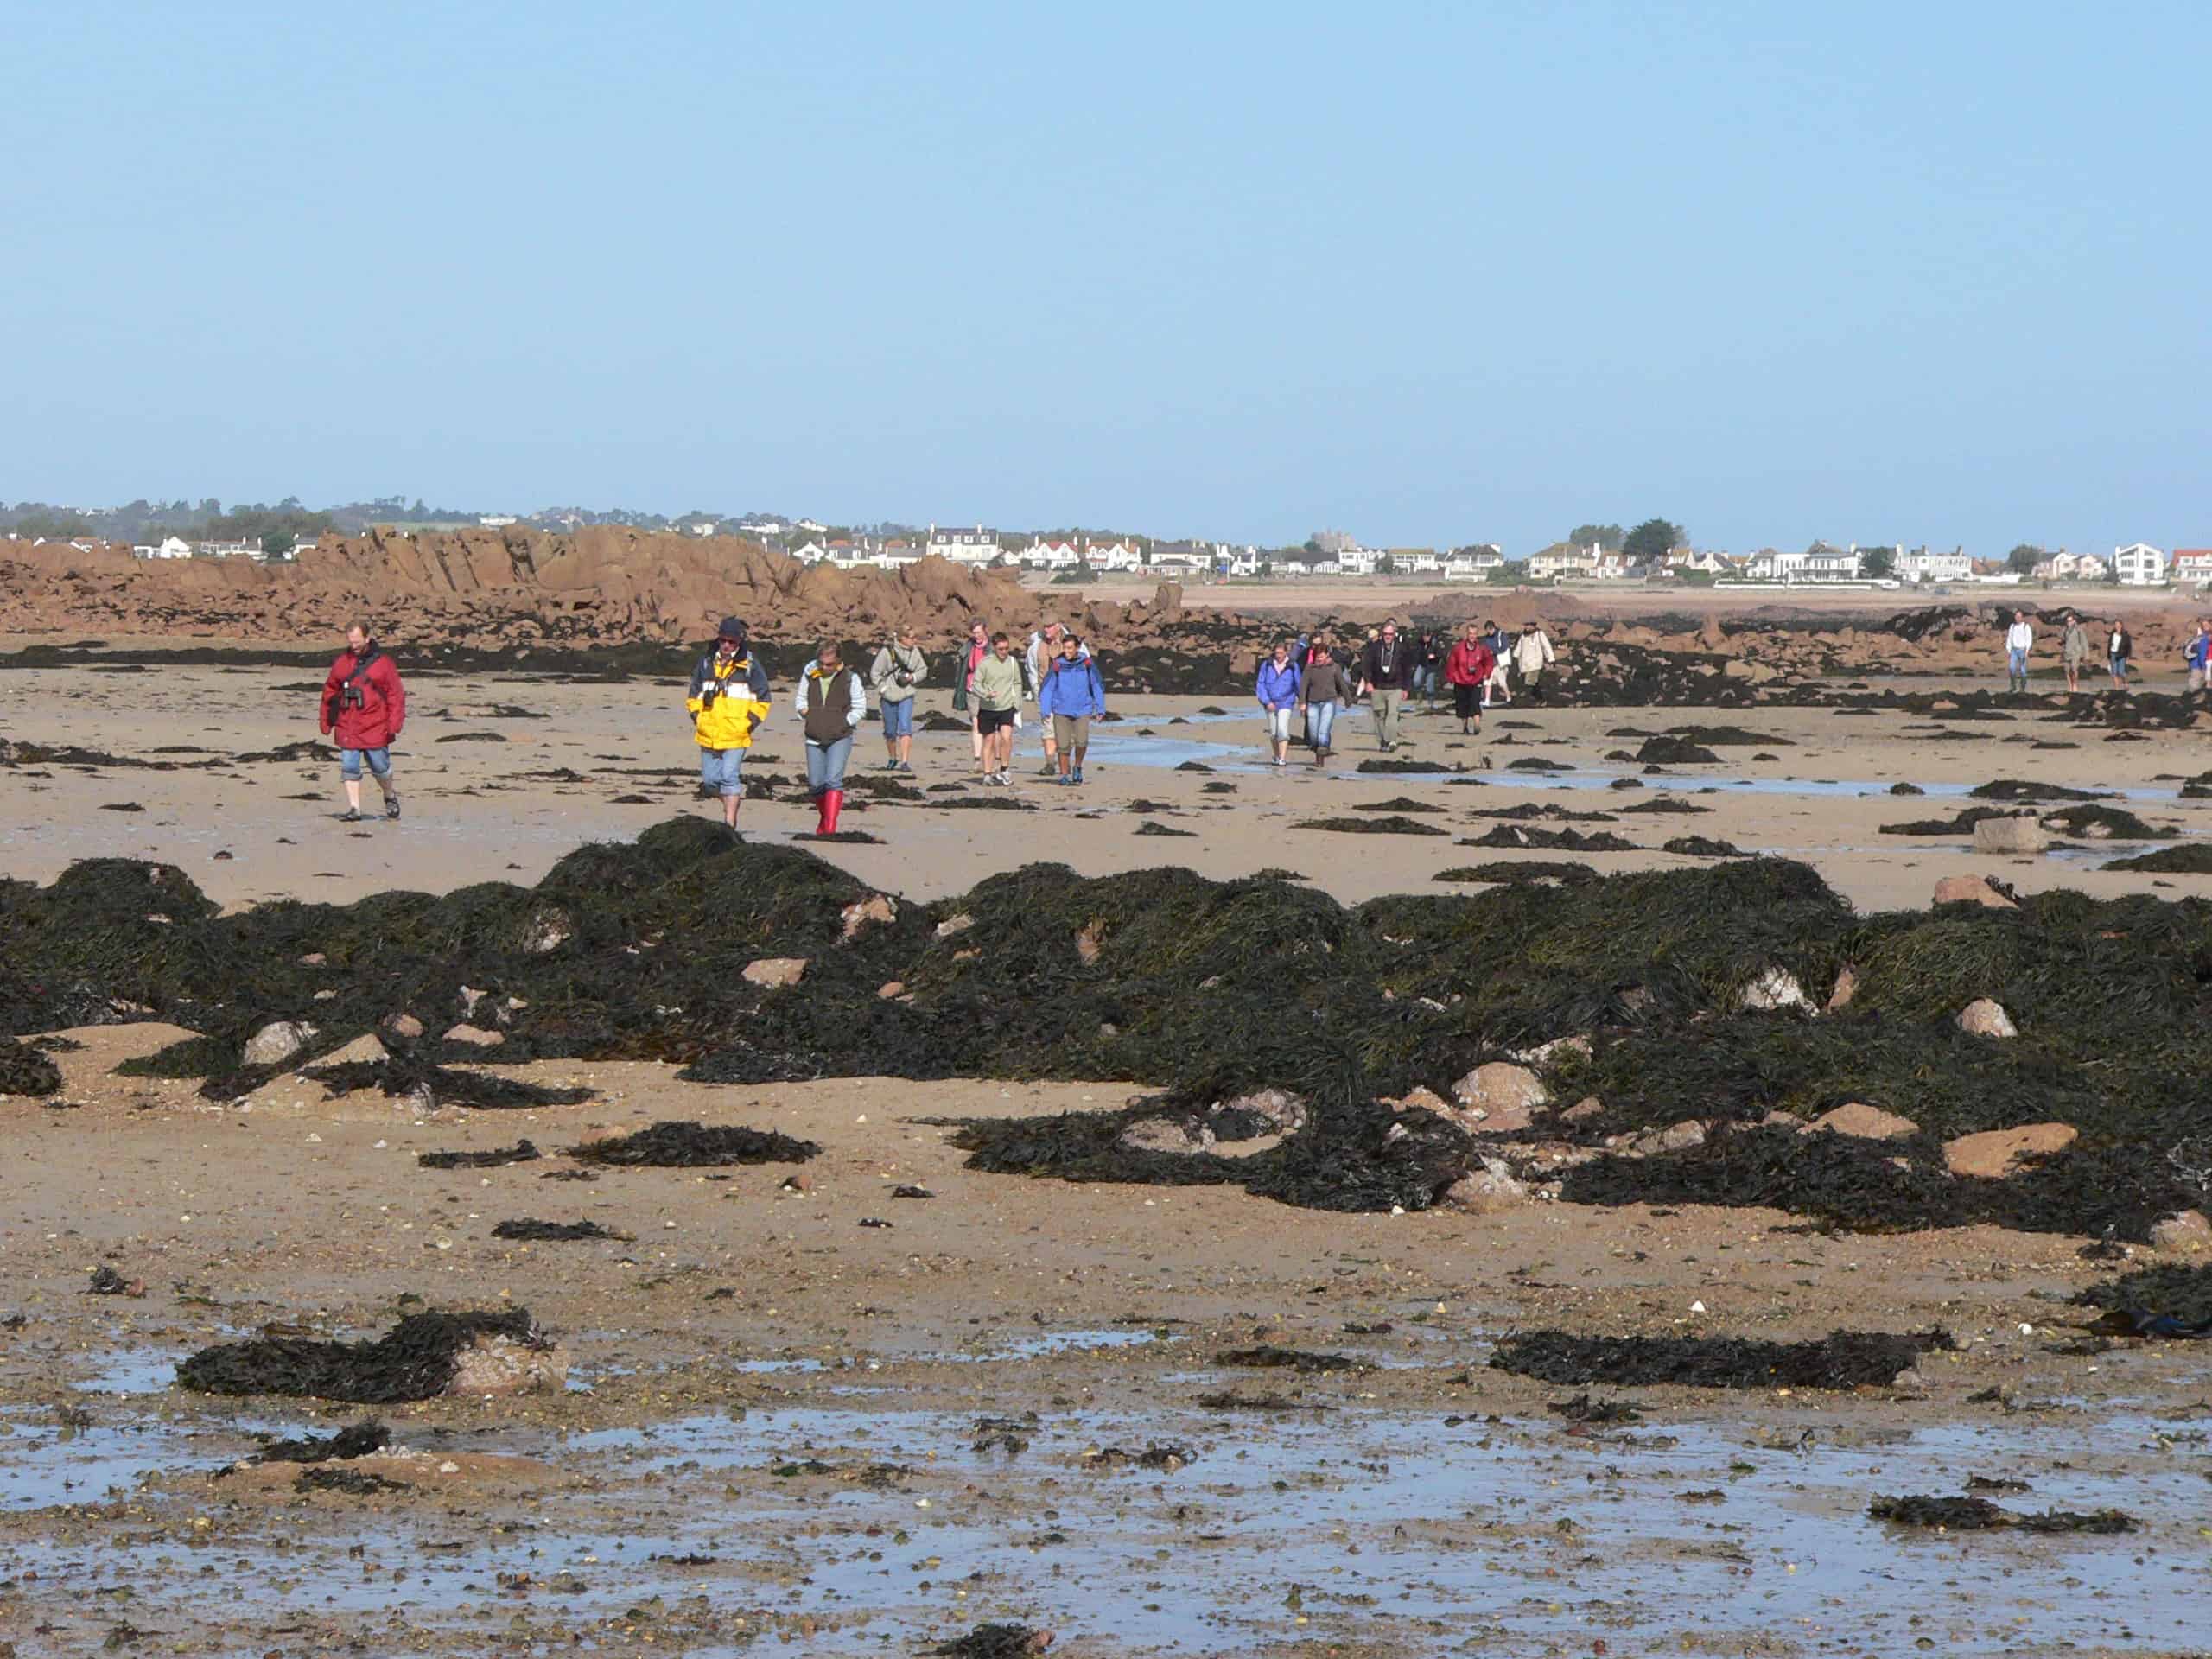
(708, 695)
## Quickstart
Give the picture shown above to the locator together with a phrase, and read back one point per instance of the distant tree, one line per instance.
(279, 544)
(1651, 541)
(1605, 535)
(1386, 566)
(1879, 562)
(2024, 557)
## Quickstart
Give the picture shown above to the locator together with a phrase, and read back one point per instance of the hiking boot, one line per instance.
(350, 816)
(391, 806)
(1049, 771)
(1076, 774)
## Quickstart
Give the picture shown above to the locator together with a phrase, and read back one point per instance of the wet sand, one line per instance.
(746, 1332)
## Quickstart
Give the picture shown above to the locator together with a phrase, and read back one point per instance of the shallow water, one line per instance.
(1352, 1524)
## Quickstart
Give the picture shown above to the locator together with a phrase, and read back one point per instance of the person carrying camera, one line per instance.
(728, 699)
(898, 669)
(364, 704)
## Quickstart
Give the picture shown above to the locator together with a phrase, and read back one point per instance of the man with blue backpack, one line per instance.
(1070, 695)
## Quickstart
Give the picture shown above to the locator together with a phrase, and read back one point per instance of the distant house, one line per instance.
(170, 547)
(2139, 565)
(1921, 565)
(240, 549)
(977, 546)
(495, 520)
(1682, 559)
(705, 527)
(1052, 553)
(1473, 564)
(762, 527)
(809, 550)
(2062, 566)
(2192, 566)
(1563, 561)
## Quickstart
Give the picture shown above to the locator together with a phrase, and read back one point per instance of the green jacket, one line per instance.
(998, 682)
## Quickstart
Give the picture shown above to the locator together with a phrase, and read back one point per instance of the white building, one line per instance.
(2062, 566)
(2192, 565)
(171, 547)
(495, 520)
(1815, 565)
(1473, 564)
(2140, 564)
(1921, 565)
(977, 546)
(1560, 564)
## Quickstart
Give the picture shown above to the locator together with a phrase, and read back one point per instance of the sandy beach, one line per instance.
(804, 1412)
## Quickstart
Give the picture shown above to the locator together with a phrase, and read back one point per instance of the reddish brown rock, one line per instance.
(1995, 1154)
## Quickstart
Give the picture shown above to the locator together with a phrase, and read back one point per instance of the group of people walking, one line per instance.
(2075, 648)
(1315, 675)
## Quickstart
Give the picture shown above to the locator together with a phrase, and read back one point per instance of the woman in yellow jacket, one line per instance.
(728, 700)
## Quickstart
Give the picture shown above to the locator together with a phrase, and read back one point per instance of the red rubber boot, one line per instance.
(832, 801)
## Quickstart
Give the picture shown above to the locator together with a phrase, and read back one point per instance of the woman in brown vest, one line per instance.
(832, 703)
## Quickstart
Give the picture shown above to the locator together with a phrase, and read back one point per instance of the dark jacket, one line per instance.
(365, 708)
(1389, 667)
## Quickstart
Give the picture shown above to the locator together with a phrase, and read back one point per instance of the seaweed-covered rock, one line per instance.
(695, 1146)
(1843, 1360)
(25, 1070)
(422, 1356)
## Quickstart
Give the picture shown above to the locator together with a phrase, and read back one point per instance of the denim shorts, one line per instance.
(349, 762)
(722, 770)
(898, 716)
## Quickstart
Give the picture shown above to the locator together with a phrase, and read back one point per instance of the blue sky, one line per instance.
(1429, 274)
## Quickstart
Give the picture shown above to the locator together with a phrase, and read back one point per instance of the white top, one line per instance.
(2019, 636)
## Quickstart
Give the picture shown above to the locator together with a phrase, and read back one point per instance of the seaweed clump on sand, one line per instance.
(1980, 1515)
(530, 1229)
(695, 1146)
(994, 1642)
(25, 1070)
(1389, 825)
(521, 1152)
(417, 1359)
(1846, 1359)
(1703, 846)
(355, 1440)
(1507, 870)
(2195, 859)
(1675, 751)
(2023, 789)
(1962, 824)
(2094, 823)
(1567, 841)
(2169, 1300)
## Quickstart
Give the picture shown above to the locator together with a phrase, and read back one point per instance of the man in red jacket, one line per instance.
(364, 704)
(1466, 671)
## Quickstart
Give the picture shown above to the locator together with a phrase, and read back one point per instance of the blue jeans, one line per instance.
(349, 762)
(898, 716)
(2016, 663)
(1320, 718)
(825, 763)
(722, 770)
